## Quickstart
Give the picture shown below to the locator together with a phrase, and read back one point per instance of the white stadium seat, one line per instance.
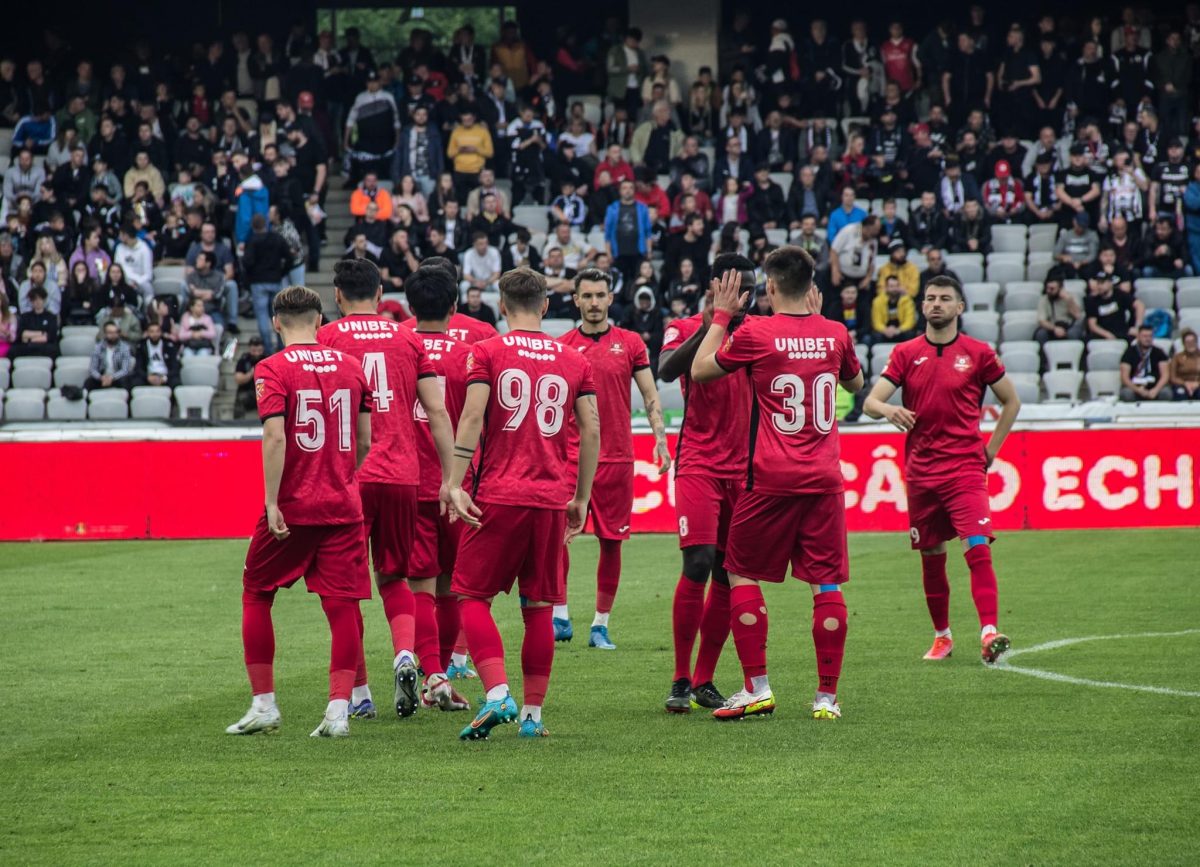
(1103, 383)
(981, 296)
(1020, 324)
(194, 400)
(31, 377)
(1063, 354)
(200, 374)
(1062, 385)
(984, 325)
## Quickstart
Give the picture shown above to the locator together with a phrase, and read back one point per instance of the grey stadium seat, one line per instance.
(1105, 354)
(984, 325)
(108, 395)
(1155, 292)
(671, 394)
(91, 331)
(142, 390)
(1006, 272)
(1063, 354)
(67, 373)
(557, 327)
(1020, 324)
(108, 410)
(31, 377)
(1062, 385)
(25, 404)
(58, 408)
(200, 374)
(981, 296)
(150, 406)
(33, 361)
(1009, 238)
(194, 398)
(77, 346)
(1103, 383)
(1021, 360)
(1022, 295)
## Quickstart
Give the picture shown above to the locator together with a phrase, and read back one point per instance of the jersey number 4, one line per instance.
(548, 395)
(375, 367)
(311, 418)
(824, 401)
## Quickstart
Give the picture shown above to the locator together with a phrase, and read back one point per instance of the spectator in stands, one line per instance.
(766, 206)
(848, 214)
(120, 306)
(206, 284)
(474, 307)
(469, 148)
(37, 329)
(957, 187)
(1171, 71)
(492, 223)
(222, 262)
(91, 252)
(927, 226)
(576, 255)
(899, 267)
(136, 260)
(81, 298)
(481, 265)
(853, 309)
(246, 402)
(112, 364)
(645, 317)
(559, 285)
(369, 192)
(1162, 253)
(627, 231)
(935, 266)
(614, 166)
(198, 333)
(398, 261)
(251, 199)
(376, 121)
(686, 286)
(568, 206)
(144, 171)
(657, 141)
(852, 254)
(39, 279)
(1184, 371)
(1042, 203)
(733, 163)
(23, 178)
(409, 193)
(157, 361)
(526, 135)
(420, 151)
(1059, 315)
(1110, 314)
(9, 319)
(893, 314)
(1004, 195)
(265, 261)
(1145, 369)
(626, 67)
(1078, 189)
(970, 231)
(1076, 249)
(521, 253)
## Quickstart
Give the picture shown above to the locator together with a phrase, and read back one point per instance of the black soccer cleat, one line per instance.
(680, 699)
(406, 689)
(707, 695)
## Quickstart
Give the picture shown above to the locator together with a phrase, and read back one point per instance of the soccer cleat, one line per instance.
(255, 721)
(460, 672)
(943, 646)
(743, 704)
(563, 631)
(599, 638)
(365, 709)
(492, 714)
(826, 709)
(532, 729)
(437, 692)
(706, 695)
(994, 646)
(406, 688)
(338, 727)
(679, 701)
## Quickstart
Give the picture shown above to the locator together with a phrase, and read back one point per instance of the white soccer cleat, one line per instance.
(255, 721)
(437, 692)
(332, 727)
(826, 709)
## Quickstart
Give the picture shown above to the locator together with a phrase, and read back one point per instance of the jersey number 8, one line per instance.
(548, 395)
(824, 393)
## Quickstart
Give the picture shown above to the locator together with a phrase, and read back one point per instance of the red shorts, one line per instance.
(331, 558)
(389, 515)
(611, 506)
(513, 543)
(942, 511)
(705, 507)
(435, 542)
(807, 529)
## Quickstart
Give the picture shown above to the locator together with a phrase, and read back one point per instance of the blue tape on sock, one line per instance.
(972, 541)
(828, 588)
(524, 601)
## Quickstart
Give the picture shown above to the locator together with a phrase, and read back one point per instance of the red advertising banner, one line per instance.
(213, 489)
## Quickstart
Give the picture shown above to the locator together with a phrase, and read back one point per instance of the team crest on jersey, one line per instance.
(470, 361)
(728, 343)
(962, 363)
(616, 348)
(260, 387)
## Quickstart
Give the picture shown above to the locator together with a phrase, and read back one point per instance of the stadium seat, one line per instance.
(1028, 387)
(984, 325)
(71, 371)
(777, 237)
(1163, 343)
(880, 353)
(1020, 346)
(1037, 271)
(532, 217)
(1005, 272)
(170, 286)
(954, 261)
(1189, 317)
(1063, 354)
(79, 331)
(671, 394)
(784, 179)
(33, 361)
(1009, 239)
(150, 390)
(77, 346)
(168, 272)
(1021, 360)
(200, 374)
(200, 361)
(968, 272)
(1078, 288)
(1105, 354)
(1022, 295)
(1187, 293)
(5, 376)
(108, 395)
(864, 357)
(1020, 324)
(557, 327)
(1103, 383)
(592, 107)
(981, 296)
(194, 401)
(58, 408)
(108, 410)
(1062, 385)
(1155, 292)
(31, 377)
(150, 406)
(25, 404)
(1042, 238)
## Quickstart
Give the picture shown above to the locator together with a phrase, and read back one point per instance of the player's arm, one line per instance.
(854, 385)
(674, 363)
(430, 395)
(587, 420)
(363, 440)
(728, 299)
(1010, 405)
(470, 424)
(274, 449)
(654, 414)
(877, 406)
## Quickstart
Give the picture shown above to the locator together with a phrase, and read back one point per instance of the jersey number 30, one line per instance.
(548, 395)
(824, 401)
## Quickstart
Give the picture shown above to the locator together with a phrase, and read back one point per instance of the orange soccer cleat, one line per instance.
(994, 644)
(943, 646)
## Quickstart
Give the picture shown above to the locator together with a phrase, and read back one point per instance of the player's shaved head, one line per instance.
(791, 269)
(431, 292)
(356, 279)
(523, 289)
(295, 304)
(443, 263)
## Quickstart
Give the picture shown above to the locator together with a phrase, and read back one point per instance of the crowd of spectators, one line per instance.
(881, 152)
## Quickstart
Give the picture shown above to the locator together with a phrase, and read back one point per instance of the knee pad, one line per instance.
(698, 562)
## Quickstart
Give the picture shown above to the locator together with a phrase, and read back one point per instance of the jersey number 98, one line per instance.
(548, 397)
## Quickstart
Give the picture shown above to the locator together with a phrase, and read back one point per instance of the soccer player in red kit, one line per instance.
(315, 408)
(793, 508)
(521, 387)
(461, 327)
(944, 376)
(710, 469)
(400, 377)
(617, 356)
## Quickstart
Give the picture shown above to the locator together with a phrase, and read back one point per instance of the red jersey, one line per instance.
(716, 417)
(392, 359)
(449, 359)
(615, 355)
(466, 328)
(897, 60)
(944, 385)
(795, 363)
(535, 382)
(319, 392)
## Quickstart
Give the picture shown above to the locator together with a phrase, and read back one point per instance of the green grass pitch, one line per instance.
(122, 665)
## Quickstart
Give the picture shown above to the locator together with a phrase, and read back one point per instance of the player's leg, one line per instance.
(542, 584)
(345, 647)
(970, 513)
(563, 630)
(687, 611)
(392, 514)
(715, 622)
(749, 625)
(452, 644)
(822, 559)
(612, 511)
(361, 704)
(537, 658)
(929, 530)
(608, 576)
(435, 690)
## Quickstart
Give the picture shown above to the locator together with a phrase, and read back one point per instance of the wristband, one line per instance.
(722, 318)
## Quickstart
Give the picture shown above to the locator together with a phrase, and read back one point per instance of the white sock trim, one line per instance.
(263, 701)
(497, 692)
(561, 612)
(600, 619)
(531, 710)
(360, 694)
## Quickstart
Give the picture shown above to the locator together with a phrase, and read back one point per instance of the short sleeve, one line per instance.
(425, 367)
(270, 393)
(479, 366)
(991, 370)
(738, 349)
(893, 371)
(675, 335)
(850, 364)
(587, 386)
(638, 353)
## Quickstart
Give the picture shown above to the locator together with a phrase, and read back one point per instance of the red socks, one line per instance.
(537, 652)
(345, 649)
(686, 612)
(483, 639)
(449, 625)
(829, 637)
(748, 619)
(399, 609)
(360, 672)
(714, 629)
(983, 583)
(608, 574)
(937, 589)
(258, 640)
(427, 645)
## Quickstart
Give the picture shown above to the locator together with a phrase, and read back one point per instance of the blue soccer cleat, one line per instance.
(563, 631)
(532, 729)
(460, 672)
(492, 714)
(365, 709)
(600, 638)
